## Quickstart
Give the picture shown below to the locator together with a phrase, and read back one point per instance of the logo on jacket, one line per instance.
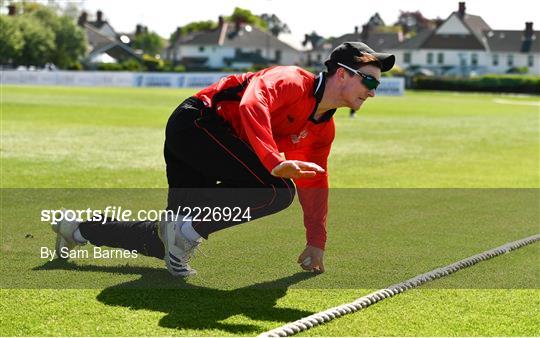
(297, 138)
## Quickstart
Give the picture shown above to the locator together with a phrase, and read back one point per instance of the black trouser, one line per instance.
(207, 166)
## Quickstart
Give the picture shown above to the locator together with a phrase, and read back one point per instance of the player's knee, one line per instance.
(284, 195)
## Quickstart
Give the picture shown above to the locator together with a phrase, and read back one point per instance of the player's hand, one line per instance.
(297, 169)
(312, 259)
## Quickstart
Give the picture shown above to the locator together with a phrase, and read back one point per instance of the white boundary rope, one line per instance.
(377, 296)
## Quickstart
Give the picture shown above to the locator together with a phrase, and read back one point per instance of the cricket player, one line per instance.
(261, 137)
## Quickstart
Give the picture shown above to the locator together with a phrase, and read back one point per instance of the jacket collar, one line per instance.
(318, 91)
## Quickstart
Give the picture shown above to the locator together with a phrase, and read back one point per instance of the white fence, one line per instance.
(67, 78)
(389, 86)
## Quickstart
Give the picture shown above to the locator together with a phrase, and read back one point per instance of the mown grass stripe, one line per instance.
(306, 323)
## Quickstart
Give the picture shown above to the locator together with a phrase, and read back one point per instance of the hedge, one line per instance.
(486, 83)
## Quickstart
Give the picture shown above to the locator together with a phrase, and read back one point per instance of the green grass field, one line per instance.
(467, 166)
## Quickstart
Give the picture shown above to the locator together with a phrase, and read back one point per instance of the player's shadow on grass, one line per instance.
(192, 307)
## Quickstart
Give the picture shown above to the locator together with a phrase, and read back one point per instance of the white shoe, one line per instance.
(178, 249)
(64, 236)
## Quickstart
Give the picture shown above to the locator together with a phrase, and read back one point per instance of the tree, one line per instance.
(191, 27)
(11, 40)
(149, 42)
(376, 21)
(242, 15)
(47, 37)
(198, 26)
(313, 38)
(70, 43)
(413, 22)
(274, 24)
(38, 42)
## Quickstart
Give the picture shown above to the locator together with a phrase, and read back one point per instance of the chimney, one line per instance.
(99, 16)
(400, 36)
(220, 21)
(528, 30)
(461, 10)
(355, 29)
(365, 33)
(138, 29)
(82, 18)
(12, 10)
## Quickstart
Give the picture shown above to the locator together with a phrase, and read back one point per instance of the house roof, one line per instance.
(100, 23)
(101, 43)
(228, 35)
(416, 41)
(512, 41)
(481, 37)
(118, 51)
(95, 37)
(476, 25)
(324, 46)
(473, 23)
(131, 35)
(452, 41)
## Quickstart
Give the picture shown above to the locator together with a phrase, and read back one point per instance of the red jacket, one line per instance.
(275, 115)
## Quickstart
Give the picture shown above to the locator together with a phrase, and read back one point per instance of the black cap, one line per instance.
(346, 52)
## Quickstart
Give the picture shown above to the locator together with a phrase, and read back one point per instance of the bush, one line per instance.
(486, 83)
(153, 64)
(75, 66)
(395, 71)
(179, 69)
(518, 70)
(132, 65)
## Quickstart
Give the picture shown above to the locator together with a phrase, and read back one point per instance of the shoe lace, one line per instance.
(189, 251)
(199, 250)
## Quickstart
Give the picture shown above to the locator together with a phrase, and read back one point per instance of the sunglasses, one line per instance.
(369, 81)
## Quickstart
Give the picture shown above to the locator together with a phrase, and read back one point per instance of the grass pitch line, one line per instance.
(520, 103)
(374, 297)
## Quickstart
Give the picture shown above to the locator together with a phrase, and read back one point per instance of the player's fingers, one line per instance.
(321, 266)
(307, 263)
(312, 166)
(306, 174)
(306, 267)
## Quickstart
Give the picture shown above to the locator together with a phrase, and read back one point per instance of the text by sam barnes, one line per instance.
(96, 252)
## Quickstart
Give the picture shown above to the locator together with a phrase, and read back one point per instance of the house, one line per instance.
(231, 45)
(377, 40)
(104, 44)
(465, 44)
(319, 51)
(509, 49)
